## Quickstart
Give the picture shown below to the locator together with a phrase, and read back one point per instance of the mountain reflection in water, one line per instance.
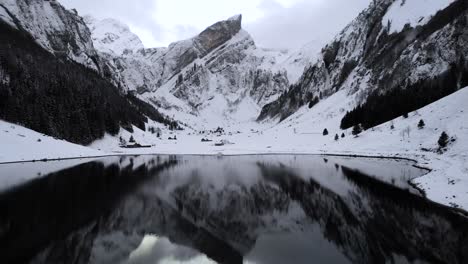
(240, 209)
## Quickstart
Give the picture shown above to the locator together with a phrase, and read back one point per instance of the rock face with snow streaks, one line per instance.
(219, 74)
(374, 52)
(55, 28)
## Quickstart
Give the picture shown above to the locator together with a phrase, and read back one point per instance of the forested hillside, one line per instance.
(58, 97)
(382, 107)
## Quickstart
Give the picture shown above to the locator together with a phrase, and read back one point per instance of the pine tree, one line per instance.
(342, 135)
(405, 115)
(357, 130)
(325, 132)
(131, 140)
(443, 140)
(337, 137)
(421, 124)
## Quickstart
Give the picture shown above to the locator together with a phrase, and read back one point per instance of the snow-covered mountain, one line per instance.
(215, 77)
(111, 36)
(219, 75)
(392, 44)
(58, 30)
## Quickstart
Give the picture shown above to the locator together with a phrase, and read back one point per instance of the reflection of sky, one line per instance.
(305, 247)
(158, 250)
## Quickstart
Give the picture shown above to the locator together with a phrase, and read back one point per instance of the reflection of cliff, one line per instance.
(145, 213)
(374, 223)
(384, 221)
(408, 225)
(100, 214)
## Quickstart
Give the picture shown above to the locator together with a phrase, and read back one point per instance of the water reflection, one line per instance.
(247, 209)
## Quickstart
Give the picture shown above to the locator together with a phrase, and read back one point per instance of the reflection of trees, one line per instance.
(50, 208)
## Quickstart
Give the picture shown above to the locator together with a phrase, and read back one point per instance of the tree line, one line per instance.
(383, 107)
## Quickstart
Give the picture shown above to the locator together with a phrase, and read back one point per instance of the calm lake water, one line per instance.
(243, 209)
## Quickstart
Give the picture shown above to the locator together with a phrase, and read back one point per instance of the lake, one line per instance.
(223, 209)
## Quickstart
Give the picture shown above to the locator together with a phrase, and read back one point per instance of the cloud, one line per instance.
(272, 23)
(307, 21)
(139, 17)
(159, 249)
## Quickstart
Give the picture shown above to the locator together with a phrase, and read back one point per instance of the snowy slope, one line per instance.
(298, 60)
(21, 144)
(413, 13)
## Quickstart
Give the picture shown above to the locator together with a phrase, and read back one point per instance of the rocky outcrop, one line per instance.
(217, 34)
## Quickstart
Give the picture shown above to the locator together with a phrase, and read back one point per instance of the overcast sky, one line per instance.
(272, 23)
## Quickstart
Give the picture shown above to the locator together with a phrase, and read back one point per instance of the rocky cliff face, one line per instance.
(375, 52)
(217, 34)
(58, 30)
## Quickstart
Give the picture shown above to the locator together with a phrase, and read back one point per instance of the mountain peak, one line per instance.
(236, 18)
(112, 36)
(218, 33)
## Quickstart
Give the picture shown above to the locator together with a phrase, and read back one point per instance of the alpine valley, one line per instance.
(388, 85)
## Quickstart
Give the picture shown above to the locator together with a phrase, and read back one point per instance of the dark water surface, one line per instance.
(245, 209)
